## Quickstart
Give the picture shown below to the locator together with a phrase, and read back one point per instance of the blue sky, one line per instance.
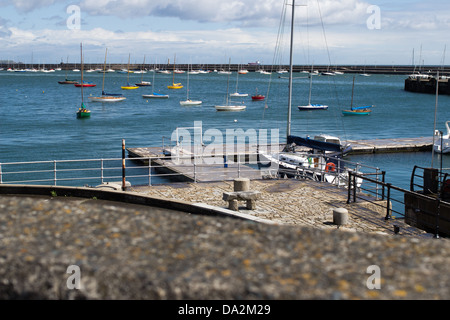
(212, 31)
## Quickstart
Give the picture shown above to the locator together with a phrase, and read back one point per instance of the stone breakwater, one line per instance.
(129, 251)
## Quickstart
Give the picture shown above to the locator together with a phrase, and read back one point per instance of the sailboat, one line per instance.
(237, 93)
(257, 96)
(143, 83)
(174, 85)
(357, 111)
(68, 81)
(82, 112)
(227, 106)
(312, 106)
(155, 95)
(129, 86)
(189, 102)
(107, 97)
(322, 162)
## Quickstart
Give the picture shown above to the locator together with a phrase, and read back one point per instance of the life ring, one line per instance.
(330, 167)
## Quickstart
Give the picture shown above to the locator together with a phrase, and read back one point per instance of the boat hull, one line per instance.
(129, 87)
(258, 98)
(84, 85)
(356, 112)
(237, 94)
(83, 114)
(230, 108)
(155, 96)
(68, 82)
(313, 107)
(106, 99)
(175, 86)
(190, 103)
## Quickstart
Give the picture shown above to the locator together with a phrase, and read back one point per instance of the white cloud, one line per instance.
(27, 5)
(247, 12)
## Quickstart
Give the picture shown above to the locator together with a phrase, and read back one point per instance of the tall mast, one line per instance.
(288, 131)
(82, 67)
(104, 72)
(353, 89)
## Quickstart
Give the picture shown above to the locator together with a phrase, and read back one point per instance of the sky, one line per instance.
(326, 32)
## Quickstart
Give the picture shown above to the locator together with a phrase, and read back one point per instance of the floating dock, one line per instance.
(187, 165)
(391, 145)
(206, 164)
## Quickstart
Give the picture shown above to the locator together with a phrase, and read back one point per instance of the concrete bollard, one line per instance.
(241, 184)
(340, 216)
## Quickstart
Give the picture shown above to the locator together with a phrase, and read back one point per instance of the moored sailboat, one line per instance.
(310, 107)
(143, 83)
(356, 111)
(129, 86)
(174, 85)
(227, 106)
(322, 162)
(188, 101)
(82, 112)
(105, 97)
(155, 95)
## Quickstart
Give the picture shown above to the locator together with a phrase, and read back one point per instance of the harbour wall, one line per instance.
(374, 69)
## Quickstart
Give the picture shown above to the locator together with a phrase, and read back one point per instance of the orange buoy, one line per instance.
(330, 167)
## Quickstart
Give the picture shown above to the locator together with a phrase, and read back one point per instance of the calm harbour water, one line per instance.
(39, 121)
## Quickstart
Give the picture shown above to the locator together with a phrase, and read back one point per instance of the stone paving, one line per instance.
(290, 202)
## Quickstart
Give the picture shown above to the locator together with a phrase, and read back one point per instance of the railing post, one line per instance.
(101, 170)
(350, 176)
(149, 171)
(123, 166)
(383, 177)
(1, 179)
(239, 165)
(438, 207)
(354, 187)
(388, 201)
(54, 172)
(195, 171)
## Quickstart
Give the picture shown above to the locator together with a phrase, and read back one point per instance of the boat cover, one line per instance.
(314, 144)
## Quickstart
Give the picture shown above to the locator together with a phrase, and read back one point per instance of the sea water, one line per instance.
(39, 115)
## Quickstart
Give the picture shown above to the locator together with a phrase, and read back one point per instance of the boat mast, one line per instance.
(353, 89)
(104, 72)
(128, 69)
(82, 67)
(288, 131)
(310, 84)
(142, 70)
(228, 79)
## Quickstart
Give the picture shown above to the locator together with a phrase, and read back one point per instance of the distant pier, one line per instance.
(427, 84)
(370, 69)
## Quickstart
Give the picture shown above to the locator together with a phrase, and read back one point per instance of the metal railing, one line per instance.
(157, 170)
(393, 199)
